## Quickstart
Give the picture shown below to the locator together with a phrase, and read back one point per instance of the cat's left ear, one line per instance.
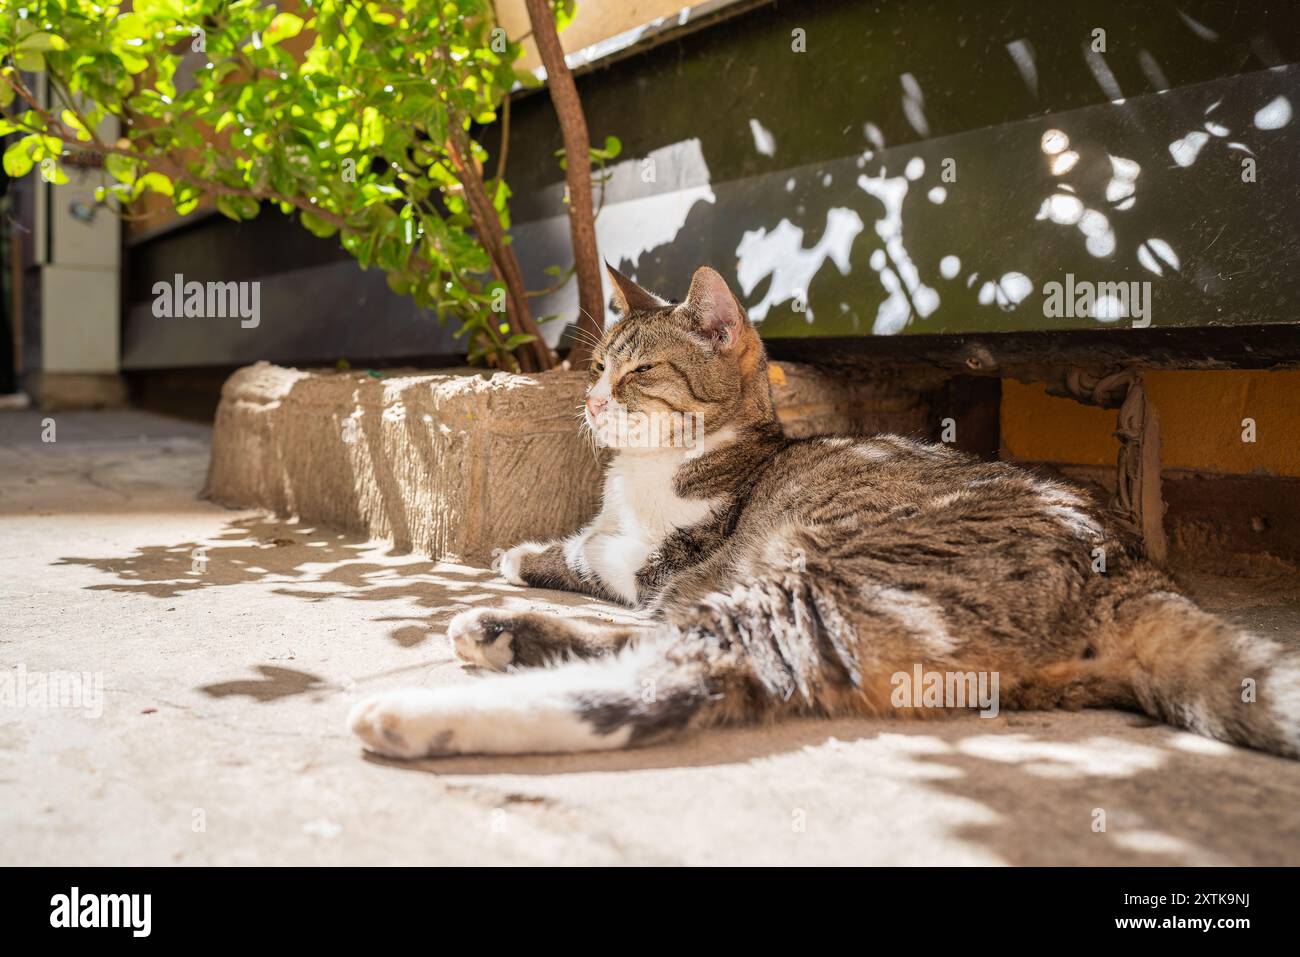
(628, 296)
(720, 316)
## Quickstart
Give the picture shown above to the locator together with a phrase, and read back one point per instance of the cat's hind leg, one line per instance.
(498, 640)
(770, 648)
(632, 697)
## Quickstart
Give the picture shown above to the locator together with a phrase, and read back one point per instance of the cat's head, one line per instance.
(666, 374)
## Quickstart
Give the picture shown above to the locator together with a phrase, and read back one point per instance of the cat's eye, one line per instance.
(644, 368)
(599, 367)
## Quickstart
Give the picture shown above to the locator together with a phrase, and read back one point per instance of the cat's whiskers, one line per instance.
(587, 432)
(591, 336)
(587, 338)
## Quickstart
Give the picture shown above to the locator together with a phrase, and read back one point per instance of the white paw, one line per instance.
(405, 724)
(512, 559)
(530, 714)
(478, 644)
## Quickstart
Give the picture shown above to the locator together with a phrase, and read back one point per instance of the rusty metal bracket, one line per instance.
(1138, 504)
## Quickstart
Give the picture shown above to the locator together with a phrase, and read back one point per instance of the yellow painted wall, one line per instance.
(595, 20)
(1201, 417)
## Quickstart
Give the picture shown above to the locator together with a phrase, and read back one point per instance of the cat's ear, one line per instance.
(628, 296)
(720, 317)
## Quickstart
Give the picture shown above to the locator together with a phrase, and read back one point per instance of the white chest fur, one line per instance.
(639, 511)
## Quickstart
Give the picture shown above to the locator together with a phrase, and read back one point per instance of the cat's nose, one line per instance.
(595, 405)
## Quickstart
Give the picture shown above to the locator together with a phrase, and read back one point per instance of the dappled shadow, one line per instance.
(1028, 788)
(315, 565)
(250, 550)
(276, 683)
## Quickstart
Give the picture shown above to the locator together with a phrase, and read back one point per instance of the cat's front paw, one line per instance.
(404, 724)
(482, 638)
(510, 563)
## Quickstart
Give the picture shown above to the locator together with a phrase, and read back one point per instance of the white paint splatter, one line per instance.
(1054, 141)
(780, 254)
(1014, 287)
(1155, 251)
(1123, 179)
(1275, 115)
(1062, 163)
(1062, 209)
(1185, 151)
(899, 277)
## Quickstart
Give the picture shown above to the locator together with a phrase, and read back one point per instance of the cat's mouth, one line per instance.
(604, 424)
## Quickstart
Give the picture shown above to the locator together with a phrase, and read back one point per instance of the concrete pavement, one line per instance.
(227, 647)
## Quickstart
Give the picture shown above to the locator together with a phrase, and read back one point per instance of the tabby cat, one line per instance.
(805, 576)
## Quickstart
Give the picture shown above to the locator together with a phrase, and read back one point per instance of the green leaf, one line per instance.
(237, 207)
(528, 80)
(30, 61)
(346, 138)
(565, 11)
(284, 26)
(155, 181)
(134, 63)
(42, 41)
(161, 9)
(185, 198)
(18, 159)
(70, 120)
(316, 225)
(372, 128)
(121, 168)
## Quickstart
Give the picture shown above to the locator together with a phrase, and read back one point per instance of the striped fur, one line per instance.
(785, 576)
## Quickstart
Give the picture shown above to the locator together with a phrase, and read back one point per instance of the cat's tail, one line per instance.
(733, 658)
(1194, 670)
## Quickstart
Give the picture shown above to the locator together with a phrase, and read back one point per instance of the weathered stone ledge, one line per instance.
(455, 463)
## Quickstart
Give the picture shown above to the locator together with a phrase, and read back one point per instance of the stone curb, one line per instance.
(455, 463)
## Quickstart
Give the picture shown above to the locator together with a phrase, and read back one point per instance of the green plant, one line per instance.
(357, 117)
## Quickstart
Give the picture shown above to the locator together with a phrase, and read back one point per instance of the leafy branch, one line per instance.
(357, 117)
